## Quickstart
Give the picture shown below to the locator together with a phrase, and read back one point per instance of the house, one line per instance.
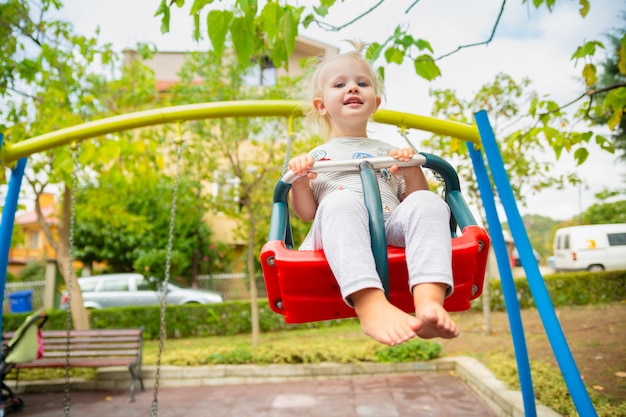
(35, 246)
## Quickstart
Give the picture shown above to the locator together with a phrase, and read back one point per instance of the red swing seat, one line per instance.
(301, 286)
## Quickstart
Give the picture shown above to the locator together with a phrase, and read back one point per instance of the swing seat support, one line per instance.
(301, 286)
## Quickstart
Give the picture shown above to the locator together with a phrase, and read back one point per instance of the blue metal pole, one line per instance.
(506, 280)
(551, 324)
(8, 218)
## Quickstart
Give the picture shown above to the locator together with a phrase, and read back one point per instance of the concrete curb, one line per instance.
(503, 401)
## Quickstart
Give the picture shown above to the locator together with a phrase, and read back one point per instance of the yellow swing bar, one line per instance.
(10, 152)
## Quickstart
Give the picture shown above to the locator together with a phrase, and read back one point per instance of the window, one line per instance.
(33, 239)
(118, 284)
(142, 285)
(87, 285)
(617, 239)
(566, 242)
(263, 73)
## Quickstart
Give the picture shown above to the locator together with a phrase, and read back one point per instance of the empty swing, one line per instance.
(300, 284)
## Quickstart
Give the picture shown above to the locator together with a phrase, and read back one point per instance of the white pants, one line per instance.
(420, 224)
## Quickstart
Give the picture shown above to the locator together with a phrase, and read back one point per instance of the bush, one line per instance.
(574, 288)
(33, 271)
(233, 317)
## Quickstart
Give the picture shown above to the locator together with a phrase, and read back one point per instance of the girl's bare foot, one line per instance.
(435, 320)
(381, 320)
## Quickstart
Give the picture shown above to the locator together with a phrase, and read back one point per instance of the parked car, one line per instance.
(129, 289)
(518, 262)
(591, 247)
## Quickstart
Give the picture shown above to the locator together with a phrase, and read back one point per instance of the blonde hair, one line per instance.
(313, 119)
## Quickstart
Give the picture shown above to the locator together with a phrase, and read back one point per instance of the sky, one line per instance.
(528, 43)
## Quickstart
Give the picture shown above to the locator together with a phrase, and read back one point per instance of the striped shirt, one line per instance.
(391, 186)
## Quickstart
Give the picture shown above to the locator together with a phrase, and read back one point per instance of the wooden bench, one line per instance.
(95, 348)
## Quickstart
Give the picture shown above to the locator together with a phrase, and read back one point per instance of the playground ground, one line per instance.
(596, 335)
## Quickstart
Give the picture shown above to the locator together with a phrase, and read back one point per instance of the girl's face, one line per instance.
(348, 98)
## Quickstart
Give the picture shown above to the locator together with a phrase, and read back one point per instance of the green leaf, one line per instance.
(422, 44)
(241, 31)
(218, 25)
(584, 7)
(165, 20)
(589, 74)
(581, 155)
(289, 27)
(394, 55)
(587, 49)
(621, 64)
(605, 144)
(426, 68)
(199, 5)
(308, 19)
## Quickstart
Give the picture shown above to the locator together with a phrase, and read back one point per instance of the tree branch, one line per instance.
(332, 28)
(487, 42)
(589, 93)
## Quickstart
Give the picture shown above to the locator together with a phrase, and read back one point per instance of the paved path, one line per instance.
(424, 394)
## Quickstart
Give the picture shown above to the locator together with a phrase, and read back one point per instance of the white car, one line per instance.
(130, 289)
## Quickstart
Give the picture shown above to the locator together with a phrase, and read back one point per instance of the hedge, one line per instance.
(233, 317)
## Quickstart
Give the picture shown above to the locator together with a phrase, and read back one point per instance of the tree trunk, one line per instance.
(254, 306)
(79, 313)
(491, 272)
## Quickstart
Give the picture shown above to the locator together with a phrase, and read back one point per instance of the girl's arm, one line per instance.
(414, 177)
(301, 196)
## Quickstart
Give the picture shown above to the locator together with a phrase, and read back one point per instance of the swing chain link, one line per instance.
(163, 289)
(70, 275)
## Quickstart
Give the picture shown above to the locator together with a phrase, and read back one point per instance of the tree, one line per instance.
(270, 30)
(238, 155)
(52, 78)
(606, 211)
(612, 75)
(45, 80)
(125, 223)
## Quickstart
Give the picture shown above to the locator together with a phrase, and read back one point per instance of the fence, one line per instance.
(232, 286)
(37, 288)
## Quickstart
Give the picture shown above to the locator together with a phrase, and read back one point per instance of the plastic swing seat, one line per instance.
(300, 284)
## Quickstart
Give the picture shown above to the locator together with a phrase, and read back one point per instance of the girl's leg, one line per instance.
(341, 229)
(421, 225)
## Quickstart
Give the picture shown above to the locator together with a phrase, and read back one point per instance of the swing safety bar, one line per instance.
(300, 284)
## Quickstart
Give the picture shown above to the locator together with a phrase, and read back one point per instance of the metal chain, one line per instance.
(163, 289)
(405, 135)
(289, 142)
(70, 275)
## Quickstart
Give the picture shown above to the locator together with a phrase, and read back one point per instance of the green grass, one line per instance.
(345, 344)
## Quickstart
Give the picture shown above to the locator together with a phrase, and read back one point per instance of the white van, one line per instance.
(595, 247)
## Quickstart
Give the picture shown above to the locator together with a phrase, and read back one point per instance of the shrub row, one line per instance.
(233, 317)
(574, 288)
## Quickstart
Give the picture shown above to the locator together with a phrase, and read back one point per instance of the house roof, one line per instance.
(30, 217)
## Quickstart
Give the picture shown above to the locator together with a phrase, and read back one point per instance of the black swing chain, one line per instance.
(70, 276)
(437, 175)
(163, 289)
(290, 137)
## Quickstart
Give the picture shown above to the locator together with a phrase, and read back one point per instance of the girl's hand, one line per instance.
(402, 155)
(302, 165)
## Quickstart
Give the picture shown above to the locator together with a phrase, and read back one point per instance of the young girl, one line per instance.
(346, 92)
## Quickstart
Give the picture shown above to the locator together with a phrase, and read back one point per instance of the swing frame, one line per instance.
(15, 156)
(300, 284)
